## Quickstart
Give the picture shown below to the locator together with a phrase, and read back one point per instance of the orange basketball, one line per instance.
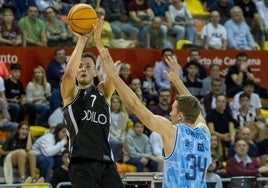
(81, 18)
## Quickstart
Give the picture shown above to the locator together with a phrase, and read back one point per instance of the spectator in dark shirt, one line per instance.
(237, 74)
(195, 55)
(61, 173)
(221, 122)
(10, 33)
(223, 7)
(245, 134)
(243, 165)
(18, 107)
(55, 68)
(116, 15)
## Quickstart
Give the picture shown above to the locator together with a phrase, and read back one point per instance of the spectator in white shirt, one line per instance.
(48, 150)
(213, 34)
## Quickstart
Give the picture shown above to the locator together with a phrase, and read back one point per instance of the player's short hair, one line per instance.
(90, 55)
(189, 106)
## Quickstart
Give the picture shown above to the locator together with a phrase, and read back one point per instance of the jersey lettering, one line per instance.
(94, 117)
(195, 164)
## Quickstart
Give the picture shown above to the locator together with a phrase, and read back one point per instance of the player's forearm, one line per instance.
(75, 59)
(126, 94)
(180, 87)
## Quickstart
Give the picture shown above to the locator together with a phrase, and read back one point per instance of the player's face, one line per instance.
(86, 71)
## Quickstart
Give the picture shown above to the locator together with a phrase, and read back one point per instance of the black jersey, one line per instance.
(88, 121)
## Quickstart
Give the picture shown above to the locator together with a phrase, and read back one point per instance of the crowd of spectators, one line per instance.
(231, 105)
(240, 24)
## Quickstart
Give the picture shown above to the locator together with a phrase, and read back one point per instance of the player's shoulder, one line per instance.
(203, 126)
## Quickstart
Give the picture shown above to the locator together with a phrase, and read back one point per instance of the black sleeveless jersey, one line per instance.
(88, 121)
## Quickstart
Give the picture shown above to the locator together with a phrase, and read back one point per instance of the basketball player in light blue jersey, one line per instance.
(186, 137)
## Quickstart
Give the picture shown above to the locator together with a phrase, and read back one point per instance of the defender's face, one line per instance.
(86, 71)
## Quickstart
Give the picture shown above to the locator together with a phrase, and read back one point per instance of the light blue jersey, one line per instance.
(187, 164)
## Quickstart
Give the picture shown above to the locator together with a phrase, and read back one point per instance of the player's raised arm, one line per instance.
(174, 77)
(68, 84)
(108, 86)
(130, 99)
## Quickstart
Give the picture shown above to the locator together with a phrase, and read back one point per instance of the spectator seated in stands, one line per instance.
(17, 152)
(215, 86)
(181, 16)
(48, 149)
(237, 74)
(116, 15)
(154, 36)
(61, 174)
(21, 7)
(244, 113)
(157, 148)
(107, 33)
(214, 34)
(224, 8)
(125, 72)
(211, 176)
(137, 149)
(221, 123)
(262, 7)
(191, 81)
(10, 33)
(38, 92)
(217, 151)
(18, 106)
(56, 30)
(119, 119)
(195, 55)
(33, 28)
(254, 106)
(140, 15)
(160, 66)
(175, 32)
(245, 134)
(56, 68)
(43, 4)
(148, 86)
(243, 165)
(5, 123)
(253, 19)
(163, 108)
(238, 33)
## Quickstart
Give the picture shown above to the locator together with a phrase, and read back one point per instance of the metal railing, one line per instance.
(63, 184)
(26, 185)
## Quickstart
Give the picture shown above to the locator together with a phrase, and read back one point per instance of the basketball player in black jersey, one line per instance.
(87, 116)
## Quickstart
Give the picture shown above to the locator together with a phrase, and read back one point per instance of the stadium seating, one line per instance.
(196, 9)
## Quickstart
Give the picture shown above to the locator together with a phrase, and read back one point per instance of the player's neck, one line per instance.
(84, 86)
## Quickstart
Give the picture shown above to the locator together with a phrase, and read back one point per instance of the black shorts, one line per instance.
(94, 174)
